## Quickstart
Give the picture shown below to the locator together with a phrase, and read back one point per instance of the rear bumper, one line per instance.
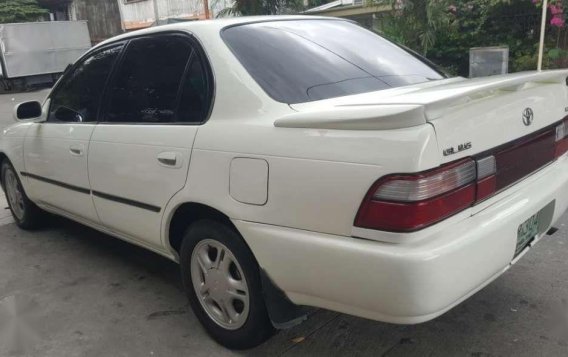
(419, 279)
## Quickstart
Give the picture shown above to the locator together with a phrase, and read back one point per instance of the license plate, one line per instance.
(526, 232)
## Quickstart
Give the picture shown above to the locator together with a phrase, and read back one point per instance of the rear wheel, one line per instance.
(26, 214)
(222, 280)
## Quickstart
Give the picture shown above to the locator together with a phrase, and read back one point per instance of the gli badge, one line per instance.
(528, 116)
(455, 149)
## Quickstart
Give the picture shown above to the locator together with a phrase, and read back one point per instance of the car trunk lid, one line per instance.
(494, 115)
(469, 116)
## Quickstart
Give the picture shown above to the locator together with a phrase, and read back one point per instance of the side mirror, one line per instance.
(68, 115)
(27, 110)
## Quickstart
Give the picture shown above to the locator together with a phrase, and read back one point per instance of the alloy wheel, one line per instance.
(14, 193)
(220, 284)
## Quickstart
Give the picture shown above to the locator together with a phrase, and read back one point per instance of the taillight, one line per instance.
(410, 202)
(486, 177)
(405, 203)
(561, 139)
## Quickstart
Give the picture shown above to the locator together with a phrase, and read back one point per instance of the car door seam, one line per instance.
(162, 237)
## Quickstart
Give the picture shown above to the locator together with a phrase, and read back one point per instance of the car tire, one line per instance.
(25, 213)
(222, 280)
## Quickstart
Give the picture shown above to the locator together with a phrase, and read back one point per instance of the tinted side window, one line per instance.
(145, 88)
(77, 97)
(195, 95)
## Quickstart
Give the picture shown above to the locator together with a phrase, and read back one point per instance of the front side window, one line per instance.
(305, 60)
(77, 97)
(146, 87)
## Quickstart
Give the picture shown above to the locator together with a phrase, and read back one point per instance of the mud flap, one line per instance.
(282, 312)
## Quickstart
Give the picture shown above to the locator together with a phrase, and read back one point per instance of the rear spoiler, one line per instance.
(480, 88)
(414, 107)
(359, 117)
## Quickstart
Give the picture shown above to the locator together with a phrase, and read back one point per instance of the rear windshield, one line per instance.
(305, 60)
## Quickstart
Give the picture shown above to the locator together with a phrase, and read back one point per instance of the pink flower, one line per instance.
(555, 9)
(557, 21)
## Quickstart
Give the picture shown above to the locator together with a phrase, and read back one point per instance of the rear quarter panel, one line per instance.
(317, 178)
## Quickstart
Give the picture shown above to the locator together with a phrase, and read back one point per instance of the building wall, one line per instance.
(136, 15)
(140, 13)
(103, 17)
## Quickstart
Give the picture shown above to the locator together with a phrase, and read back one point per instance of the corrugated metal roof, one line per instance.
(330, 5)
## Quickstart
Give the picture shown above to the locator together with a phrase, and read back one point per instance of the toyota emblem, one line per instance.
(528, 116)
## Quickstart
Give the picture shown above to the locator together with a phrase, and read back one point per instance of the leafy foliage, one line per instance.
(481, 23)
(20, 11)
(445, 30)
(416, 23)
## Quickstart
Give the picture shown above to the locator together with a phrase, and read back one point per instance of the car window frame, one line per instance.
(70, 69)
(196, 50)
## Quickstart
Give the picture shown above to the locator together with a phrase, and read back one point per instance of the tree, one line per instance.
(445, 30)
(261, 7)
(20, 11)
(416, 23)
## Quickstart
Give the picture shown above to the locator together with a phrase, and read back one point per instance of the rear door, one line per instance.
(56, 151)
(140, 151)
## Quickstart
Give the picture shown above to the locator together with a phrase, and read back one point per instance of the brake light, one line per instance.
(405, 203)
(561, 146)
(410, 202)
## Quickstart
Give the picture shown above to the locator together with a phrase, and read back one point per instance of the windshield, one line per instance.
(298, 61)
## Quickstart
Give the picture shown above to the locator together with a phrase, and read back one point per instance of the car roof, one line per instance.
(213, 25)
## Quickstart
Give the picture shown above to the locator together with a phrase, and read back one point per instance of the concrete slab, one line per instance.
(5, 214)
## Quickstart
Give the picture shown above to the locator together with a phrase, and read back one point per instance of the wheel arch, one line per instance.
(3, 158)
(188, 213)
(282, 312)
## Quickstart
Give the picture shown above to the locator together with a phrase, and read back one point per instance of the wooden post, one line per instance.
(156, 12)
(206, 6)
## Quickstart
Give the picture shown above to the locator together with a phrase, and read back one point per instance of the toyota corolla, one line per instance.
(296, 161)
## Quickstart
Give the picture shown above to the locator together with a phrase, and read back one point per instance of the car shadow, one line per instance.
(128, 253)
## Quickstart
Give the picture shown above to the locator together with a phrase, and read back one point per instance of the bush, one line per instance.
(477, 23)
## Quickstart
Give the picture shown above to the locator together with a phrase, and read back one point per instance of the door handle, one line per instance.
(76, 150)
(169, 159)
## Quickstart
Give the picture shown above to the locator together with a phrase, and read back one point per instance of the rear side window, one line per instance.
(195, 93)
(77, 97)
(153, 81)
(305, 60)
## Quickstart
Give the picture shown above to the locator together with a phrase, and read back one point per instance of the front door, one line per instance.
(140, 151)
(56, 151)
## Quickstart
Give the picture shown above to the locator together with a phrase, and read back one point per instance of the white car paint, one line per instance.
(59, 151)
(292, 177)
(124, 161)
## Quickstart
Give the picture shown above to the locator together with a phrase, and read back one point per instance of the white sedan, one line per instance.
(296, 161)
